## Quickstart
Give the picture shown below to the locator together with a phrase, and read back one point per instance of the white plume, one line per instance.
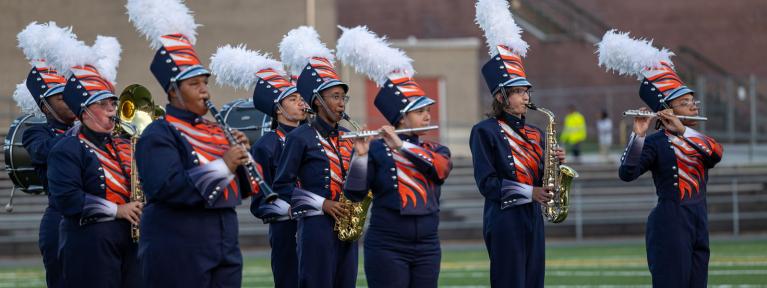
(39, 41)
(155, 18)
(107, 52)
(62, 50)
(371, 55)
(236, 66)
(299, 45)
(31, 38)
(25, 100)
(494, 17)
(620, 53)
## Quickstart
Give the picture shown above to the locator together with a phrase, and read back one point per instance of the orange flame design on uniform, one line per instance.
(117, 184)
(411, 182)
(339, 162)
(689, 162)
(527, 155)
(209, 142)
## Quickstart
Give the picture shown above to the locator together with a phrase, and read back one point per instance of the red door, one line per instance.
(430, 85)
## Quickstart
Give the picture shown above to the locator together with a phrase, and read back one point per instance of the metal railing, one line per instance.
(586, 211)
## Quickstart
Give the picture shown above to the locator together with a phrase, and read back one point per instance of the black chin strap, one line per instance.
(285, 113)
(51, 111)
(505, 97)
(325, 106)
(98, 122)
(174, 86)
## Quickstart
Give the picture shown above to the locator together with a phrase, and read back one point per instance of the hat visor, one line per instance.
(330, 84)
(191, 72)
(678, 92)
(419, 103)
(59, 88)
(285, 93)
(98, 96)
(516, 82)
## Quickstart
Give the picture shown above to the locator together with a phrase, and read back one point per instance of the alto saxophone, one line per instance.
(557, 177)
(349, 228)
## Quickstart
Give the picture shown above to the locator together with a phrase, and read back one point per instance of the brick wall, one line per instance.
(732, 34)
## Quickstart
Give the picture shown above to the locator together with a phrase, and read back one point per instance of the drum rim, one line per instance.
(10, 149)
(247, 103)
(12, 171)
(235, 104)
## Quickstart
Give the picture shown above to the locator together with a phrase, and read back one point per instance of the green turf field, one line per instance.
(733, 264)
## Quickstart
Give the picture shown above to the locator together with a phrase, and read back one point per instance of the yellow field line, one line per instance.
(596, 263)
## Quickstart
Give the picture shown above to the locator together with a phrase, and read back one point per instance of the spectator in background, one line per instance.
(605, 133)
(574, 131)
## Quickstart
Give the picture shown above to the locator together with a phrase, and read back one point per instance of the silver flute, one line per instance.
(640, 113)
(368, 133)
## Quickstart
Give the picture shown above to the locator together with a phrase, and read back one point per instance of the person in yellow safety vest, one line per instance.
(574, 131)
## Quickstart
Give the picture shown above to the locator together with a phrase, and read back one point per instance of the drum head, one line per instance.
(18, 163)
(241, 115)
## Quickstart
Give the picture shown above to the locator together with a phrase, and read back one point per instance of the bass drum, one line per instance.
(242, 115)
(18, 163)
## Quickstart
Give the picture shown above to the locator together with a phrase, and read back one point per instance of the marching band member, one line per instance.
(508, 158)
(276, 96)
(678, 156)
(404, 172)
(192, 178)
(89, 174)
(42, 93)
(315, 156)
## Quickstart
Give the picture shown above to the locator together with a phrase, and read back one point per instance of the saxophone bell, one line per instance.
(350, 227)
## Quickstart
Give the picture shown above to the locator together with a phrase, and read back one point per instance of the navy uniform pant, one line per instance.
(98, 255)
(323, 260)
(183, 247)
(49, 246)
(677, 245)
(402, 251)
(282, 238)
(515, 242)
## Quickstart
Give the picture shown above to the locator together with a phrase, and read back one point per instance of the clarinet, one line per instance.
(253, 173)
